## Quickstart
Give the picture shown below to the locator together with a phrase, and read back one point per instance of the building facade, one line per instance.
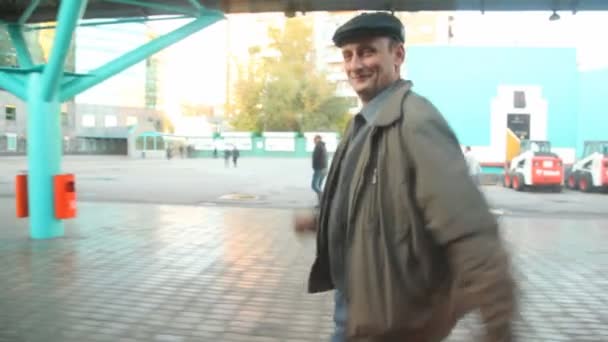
(493, 87)
(86, 128)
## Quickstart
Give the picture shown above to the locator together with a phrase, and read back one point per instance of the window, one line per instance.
(66, 143)
(82, 147)
(10, 113)
(519, 99)
(149, 144)
(111, 121)
(64, 119)
(88, 120)
(139, 143)
(131, 120)
(11, 142)
(160, 143)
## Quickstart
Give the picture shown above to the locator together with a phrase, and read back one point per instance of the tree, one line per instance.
(322, 109)
(247, 94)
(282, 90)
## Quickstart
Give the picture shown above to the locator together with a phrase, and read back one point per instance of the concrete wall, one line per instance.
(112, 121)
(107, 135)
(19, 126)
(592, 107)
(464, 83)
(273, 145)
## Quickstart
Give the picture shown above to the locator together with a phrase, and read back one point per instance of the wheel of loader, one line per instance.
(517, 181)
(572, 181)
(506, 180)
(584, 182)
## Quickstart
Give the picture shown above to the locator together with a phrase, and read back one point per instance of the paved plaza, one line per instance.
(257, 182)
(134, 271)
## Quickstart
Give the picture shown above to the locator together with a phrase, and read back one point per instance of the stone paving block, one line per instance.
(150, 273)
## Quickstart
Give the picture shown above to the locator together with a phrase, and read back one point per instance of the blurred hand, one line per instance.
(305, 222)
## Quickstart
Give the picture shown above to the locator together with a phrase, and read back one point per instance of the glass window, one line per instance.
(160, 143)
(11, 142)
(66, 143)
(519, 99)
(131, 120)
(64, 119)
(10, 113)
(111, 121)
(88, 120)
(149, 143)
(139, 143)
(92, 145)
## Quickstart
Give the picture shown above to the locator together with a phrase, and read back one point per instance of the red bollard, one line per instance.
(65, 196)
(21, 199)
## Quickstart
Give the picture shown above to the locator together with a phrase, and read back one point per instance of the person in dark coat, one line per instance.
(227, 155)
(235, 155)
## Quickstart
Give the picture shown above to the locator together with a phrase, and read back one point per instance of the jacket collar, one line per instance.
(387, 109)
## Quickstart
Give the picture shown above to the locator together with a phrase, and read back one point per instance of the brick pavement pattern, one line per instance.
(129, 272)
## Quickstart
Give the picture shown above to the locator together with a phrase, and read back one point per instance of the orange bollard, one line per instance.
(65, 196)
(21, 200)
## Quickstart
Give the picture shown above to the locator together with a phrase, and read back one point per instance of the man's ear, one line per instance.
(400, 54)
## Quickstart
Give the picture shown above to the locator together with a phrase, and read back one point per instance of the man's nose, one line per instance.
(355, 63)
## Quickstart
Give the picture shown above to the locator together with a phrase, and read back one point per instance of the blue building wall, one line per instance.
(462, 81)
(593, 107)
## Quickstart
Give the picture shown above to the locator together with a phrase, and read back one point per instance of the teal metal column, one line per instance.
(44, 88)
(44, 126)
(129, 59)
(23, 53)
(67, 20)
(13, 84)
(44, 160)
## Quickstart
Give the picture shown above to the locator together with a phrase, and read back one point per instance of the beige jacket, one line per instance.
(422, 248)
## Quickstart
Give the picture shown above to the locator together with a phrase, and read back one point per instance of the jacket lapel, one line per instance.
(387, 114)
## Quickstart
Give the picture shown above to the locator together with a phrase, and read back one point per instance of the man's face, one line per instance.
(317, 139)
(372, 64)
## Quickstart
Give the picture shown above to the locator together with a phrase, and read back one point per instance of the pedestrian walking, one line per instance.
(404, 237)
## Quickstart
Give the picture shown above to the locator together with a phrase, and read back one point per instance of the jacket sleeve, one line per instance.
(324, 157)
(458, 216)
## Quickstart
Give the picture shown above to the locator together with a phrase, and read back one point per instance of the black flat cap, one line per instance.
(378, 24)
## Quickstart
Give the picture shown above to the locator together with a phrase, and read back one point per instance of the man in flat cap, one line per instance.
(403, 234)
